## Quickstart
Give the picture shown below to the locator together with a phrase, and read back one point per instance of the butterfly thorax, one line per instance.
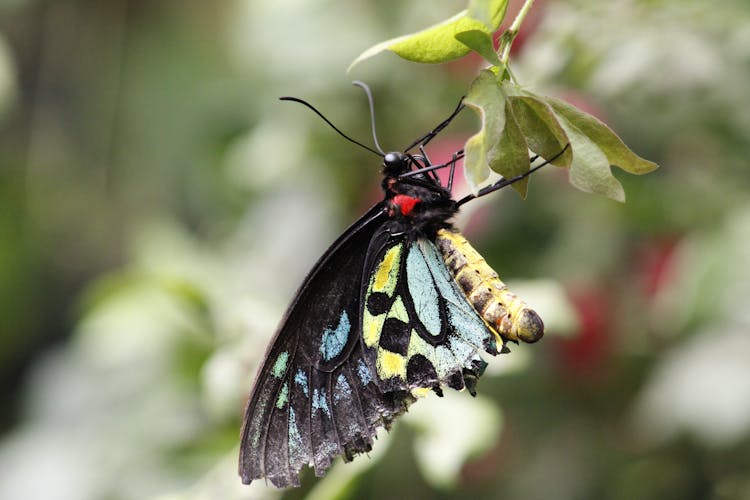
(416, 205)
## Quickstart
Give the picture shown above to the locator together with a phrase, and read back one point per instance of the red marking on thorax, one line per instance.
(405, 203)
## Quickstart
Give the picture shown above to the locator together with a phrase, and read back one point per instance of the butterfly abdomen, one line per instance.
(504, 312)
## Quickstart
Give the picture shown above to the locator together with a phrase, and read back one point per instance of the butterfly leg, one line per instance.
(428, 163)
(456, 156)
(425, 139)
(449, 187)
(506, 182)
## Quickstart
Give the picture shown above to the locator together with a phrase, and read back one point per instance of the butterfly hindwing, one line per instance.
(418, 328)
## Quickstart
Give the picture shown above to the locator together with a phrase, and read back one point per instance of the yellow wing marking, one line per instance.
(398, 310)
(371, 327)
(421, 392)
(390, 364)
(384, 279)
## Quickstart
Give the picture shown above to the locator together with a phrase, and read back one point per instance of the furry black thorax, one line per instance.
(428, 208)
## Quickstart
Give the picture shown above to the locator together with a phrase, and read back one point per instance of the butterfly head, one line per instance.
(395, 164)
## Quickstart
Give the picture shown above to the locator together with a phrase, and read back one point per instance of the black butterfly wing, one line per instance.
(377, 322)
(315, 396)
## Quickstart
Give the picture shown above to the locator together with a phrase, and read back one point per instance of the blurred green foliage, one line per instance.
(158, 207)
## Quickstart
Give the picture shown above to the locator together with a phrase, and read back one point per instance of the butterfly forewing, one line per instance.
(288, 420)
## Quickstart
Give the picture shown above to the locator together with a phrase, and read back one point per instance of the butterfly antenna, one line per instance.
(366, 88)
(334, 127)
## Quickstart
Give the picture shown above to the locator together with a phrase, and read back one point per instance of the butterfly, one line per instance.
(399, 306)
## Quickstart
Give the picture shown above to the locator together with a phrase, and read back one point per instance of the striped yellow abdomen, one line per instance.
(501, 309)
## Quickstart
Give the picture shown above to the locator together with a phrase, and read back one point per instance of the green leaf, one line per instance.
(488, 101)
(510, 156)
(475, 160)
(590, 169)
(541, 128)
(489, 12)
(617, 153)
(481, 43)
(435, 44)
(438, 43)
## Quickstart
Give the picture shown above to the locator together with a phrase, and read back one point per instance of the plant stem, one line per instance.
(511, 33)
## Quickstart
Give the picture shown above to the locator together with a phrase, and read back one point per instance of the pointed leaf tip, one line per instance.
(617, 153)
(590, 170)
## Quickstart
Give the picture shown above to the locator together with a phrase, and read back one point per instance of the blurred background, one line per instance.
(159, 206)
